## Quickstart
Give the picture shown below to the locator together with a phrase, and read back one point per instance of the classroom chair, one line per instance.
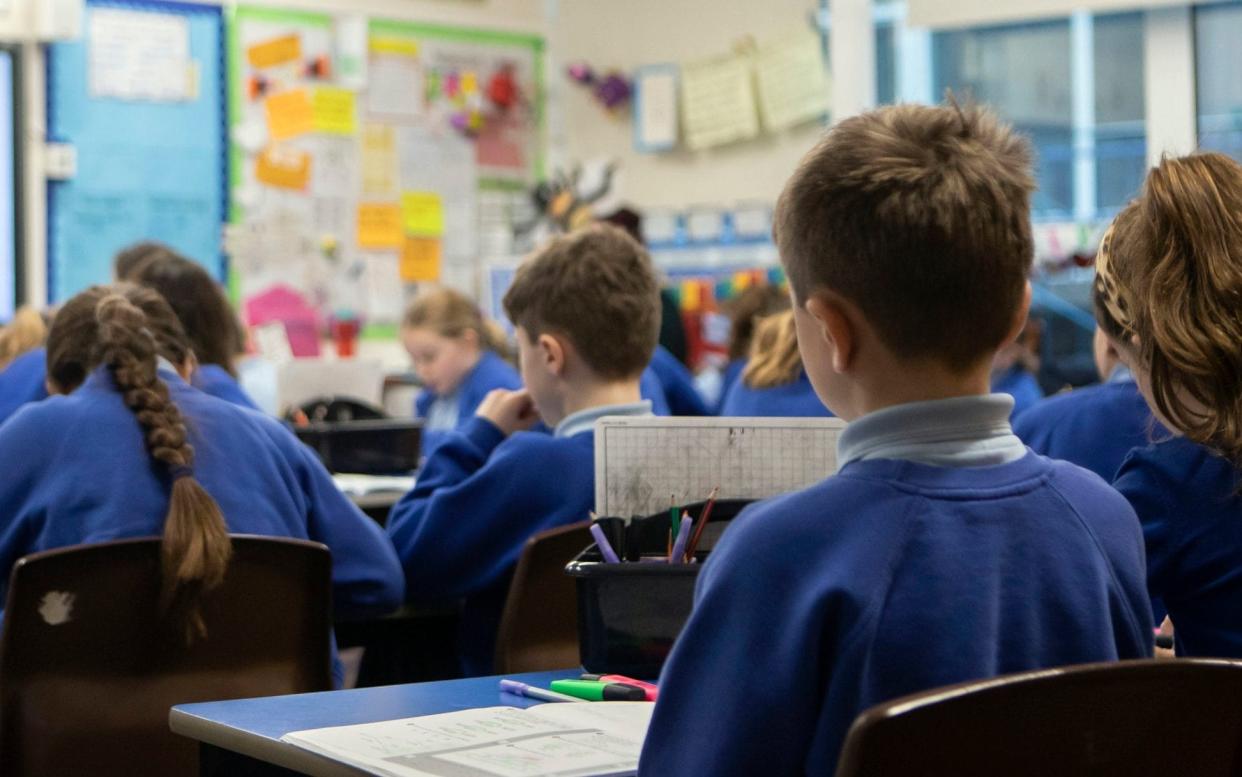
(539, 626)
(1128, 719)
(88, 670)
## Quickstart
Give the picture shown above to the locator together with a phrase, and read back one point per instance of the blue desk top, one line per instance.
(254, 726)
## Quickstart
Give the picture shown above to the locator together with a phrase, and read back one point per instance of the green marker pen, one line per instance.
(592, 690)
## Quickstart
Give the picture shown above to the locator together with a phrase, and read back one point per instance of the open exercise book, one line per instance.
(560, 740)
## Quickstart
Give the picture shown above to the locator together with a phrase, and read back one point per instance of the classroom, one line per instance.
(502, 388)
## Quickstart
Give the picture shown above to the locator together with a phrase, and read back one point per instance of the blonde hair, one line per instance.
(1169, 273)
(25, 332)
(128, 328)
(449, 313)
(774, 358)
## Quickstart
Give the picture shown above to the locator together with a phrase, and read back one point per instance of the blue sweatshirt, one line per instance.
(796, 400)
(1093, 427)
(477, 500)
(941, 552)
(215, 380)
(1188, 502)
(491, 372)
(23, 381)
(650, 388)
(1019, 384)
(731, 374)
(76, 471)
(678, 384)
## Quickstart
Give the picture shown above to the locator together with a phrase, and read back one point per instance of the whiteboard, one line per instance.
(642, 465)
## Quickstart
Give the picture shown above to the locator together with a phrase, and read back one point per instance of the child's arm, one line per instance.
(741, 692)
(475, 503)
(366, 576)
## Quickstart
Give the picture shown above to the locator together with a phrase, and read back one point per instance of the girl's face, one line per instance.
(441, 362)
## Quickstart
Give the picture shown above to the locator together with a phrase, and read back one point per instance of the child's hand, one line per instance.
(511, 411)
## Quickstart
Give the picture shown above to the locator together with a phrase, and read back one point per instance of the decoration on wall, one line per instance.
(474, 102)
(612, 90)
(562, 205)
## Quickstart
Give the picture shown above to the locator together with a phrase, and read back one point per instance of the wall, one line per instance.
(610, 34)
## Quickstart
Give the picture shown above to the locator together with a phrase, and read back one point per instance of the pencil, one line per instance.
(698, 530)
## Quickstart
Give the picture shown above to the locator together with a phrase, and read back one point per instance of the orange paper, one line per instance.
(379, 225)
(277, 51)
(290, 114)
(284, 169)
(420, 259)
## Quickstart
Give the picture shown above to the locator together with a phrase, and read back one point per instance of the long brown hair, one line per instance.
(128, 328)
(774, 358)
(449, 313)
(746, 309)
(1169, 274)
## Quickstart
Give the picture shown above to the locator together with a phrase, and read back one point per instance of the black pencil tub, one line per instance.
(629, 614)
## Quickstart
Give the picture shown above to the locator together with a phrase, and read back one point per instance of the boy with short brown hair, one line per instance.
(943, 550)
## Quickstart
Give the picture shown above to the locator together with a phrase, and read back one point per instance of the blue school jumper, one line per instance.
(23, 381)
(650, 389)
(731, 374)
(478, 498)
(943, 551)
(1019, 384)
(215, 380)
(678, 384)
(793, 400)
(443, 414)
(1093, 427)
(1188, 501)
(76, 470)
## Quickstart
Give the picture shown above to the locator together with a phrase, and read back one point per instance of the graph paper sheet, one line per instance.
(643, 464)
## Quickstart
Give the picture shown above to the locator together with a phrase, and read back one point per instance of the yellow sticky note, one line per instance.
(423, 214)
(380, 163)
(420, 259)
(398, 46)
(277, 51)
(379, 225)
(284, 168)
(289, 114)
(335, 112)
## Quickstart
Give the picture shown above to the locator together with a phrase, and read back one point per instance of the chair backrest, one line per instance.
(88, 669)
(1132, 718)
(539, 627)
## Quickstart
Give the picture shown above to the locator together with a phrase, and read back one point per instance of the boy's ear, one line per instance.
(552, 352)
(835, 327)
(1020, 315)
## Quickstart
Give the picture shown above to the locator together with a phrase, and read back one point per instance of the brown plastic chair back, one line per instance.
(1127, 719)
(539, 627)
(88, 669)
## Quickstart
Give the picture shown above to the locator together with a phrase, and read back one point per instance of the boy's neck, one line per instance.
(920, 384)
(592, 395)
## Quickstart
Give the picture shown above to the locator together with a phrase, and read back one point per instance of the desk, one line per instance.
(242, 737)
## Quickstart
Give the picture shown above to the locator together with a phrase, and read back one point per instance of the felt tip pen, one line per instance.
(653, 690)
(678, 555)
(533, 692)
(605, 547)
(596, 691)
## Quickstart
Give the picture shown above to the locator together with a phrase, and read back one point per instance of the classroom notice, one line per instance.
(793, 81)
(587, 740)
(136, 55)
(718, 102)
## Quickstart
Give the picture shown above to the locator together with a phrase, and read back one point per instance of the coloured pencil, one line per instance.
(698, 530)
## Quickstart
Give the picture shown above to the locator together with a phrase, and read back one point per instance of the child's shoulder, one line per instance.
(497, 372)
(1175, 463)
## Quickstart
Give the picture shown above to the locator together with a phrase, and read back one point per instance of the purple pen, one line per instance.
(679, 547)
(605, 547)
(533, 692)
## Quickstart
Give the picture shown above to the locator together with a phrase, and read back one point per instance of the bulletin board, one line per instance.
(141, 99)
(360, 148)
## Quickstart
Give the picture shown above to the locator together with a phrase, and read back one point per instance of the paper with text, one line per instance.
(718, 102)
(556, 740)
(792, 81)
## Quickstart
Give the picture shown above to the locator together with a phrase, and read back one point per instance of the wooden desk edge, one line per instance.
(271, 751)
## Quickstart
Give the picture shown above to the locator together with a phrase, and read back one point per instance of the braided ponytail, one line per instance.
(132, 328)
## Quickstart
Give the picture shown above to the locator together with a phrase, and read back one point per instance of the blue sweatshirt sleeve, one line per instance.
(474, 505)
(702, 691)
(366, 575)
(23, 441)
(1148, 492)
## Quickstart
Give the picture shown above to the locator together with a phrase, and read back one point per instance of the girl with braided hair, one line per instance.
(126, 448)
(1168, 294)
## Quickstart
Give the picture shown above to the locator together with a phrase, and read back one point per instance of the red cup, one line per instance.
(345, 335)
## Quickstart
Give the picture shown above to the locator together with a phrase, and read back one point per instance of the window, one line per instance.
(1217, 32)
(1023, 72)
(1120, 128)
